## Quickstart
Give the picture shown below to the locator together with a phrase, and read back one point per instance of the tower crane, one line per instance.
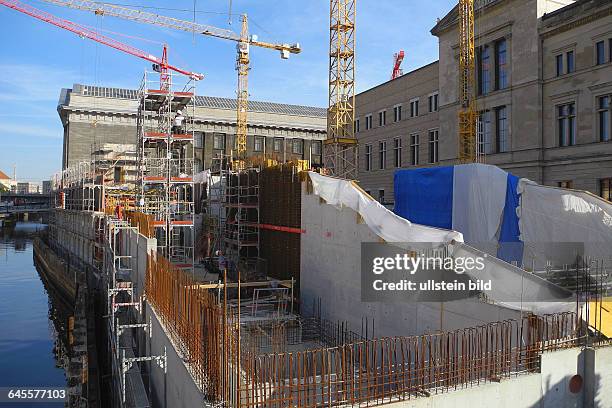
(243, 40)
(341, 151)
(467, 92)
(398, 57)
(161, 64)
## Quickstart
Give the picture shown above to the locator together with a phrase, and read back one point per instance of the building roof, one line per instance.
(212, 102)
(452, 17)
(3, 176)
(577, 13)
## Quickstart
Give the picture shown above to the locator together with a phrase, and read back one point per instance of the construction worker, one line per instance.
(221, 261)
(179, 119)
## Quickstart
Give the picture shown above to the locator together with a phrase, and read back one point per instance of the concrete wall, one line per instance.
(176, 387)
(330, 270)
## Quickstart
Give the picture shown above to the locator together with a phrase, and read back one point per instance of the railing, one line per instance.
(230, 369)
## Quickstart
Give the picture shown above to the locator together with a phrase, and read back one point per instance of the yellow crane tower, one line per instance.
(243, 40)
(341, 151)
(468, 151)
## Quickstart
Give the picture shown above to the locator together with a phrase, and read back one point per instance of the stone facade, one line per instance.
(533, 123)
(93, 116)
(404, 111)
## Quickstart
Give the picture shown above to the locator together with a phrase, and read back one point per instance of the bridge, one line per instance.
(24, 208)
(14, 203)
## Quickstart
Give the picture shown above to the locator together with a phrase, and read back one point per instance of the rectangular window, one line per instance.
(198, 140)
(484, 133)
(566, 124)
(315, 147)
(368, 121)
(356, 126)
(368, 157)
(414, 108)
(484, 71)
(382, 155)
(414, 150)
(278, 144)
(559, 63)
(258, 145)
(600, 56)
(382, 118)
(565, 184)
(604, 113)
(433, 146)
(501, 66)
(297, 146)
(501, 129)
(219, 141)
(569, 59)
(433, 102)
(397, 152)
(605, 188)
(397, 113)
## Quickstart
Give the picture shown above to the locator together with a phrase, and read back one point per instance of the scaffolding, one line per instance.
(165, 158)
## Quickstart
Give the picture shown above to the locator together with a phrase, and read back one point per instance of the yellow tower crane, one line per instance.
(468, 150)
(341, 151)
(244, 41)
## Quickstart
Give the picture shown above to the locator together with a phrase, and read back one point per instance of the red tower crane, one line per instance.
(398, 57)
(160, 64)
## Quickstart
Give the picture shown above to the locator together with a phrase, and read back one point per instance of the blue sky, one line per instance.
(39, 59)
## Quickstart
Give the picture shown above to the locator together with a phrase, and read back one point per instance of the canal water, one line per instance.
(31, 321)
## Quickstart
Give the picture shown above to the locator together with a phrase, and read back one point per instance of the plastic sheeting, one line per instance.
(514, 288)
(425, 196)
(510, 246)
(479, 196)
(550, 215)
(384, 223)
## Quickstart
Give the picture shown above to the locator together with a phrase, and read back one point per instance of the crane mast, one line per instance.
(398, 57)
(341, 151)
(243, 40)
(467, 98)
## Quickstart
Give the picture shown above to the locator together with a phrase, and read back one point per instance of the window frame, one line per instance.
(414, 149)
(434, 145)
(397, 152)
(566, 124)
(603, 52)
(604, 112)
(297, 142)
(501, 68)
(605, 185)
(219, 136)
(397, 113)
(368, 157)
(382, 155)
(499, 137)
(559, 64)
(414, 107)
(262, 141)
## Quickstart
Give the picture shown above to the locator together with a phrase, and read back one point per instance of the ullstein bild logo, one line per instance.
(390, 273)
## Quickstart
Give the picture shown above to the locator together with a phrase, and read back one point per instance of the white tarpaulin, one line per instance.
(549, 215)
(515, 288)
(479, 196)
(384, 223)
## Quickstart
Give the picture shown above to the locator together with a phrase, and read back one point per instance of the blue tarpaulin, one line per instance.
(425, 196)
(510, 246)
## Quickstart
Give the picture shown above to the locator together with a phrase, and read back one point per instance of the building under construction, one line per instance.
(240, 281)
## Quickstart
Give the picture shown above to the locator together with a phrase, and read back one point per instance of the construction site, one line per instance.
(241, 284)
